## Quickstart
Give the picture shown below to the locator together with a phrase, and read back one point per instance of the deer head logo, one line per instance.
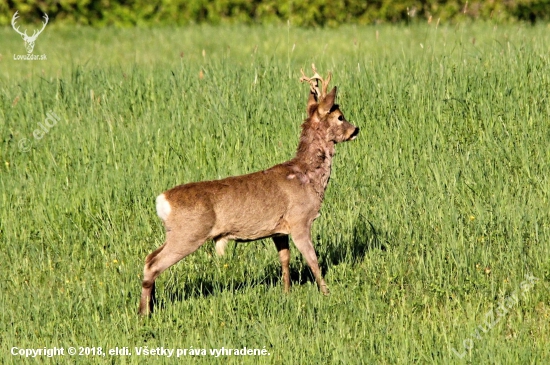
(29, 41)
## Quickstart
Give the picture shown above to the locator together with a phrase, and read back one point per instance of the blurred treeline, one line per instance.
(298, 12)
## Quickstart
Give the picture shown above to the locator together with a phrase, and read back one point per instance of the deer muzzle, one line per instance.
(354, 133)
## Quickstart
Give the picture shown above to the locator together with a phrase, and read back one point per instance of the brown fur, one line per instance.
(281, 201)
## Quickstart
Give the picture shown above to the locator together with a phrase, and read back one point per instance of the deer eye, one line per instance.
(340, 117)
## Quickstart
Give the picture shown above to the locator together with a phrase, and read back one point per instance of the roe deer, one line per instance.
(280, 201)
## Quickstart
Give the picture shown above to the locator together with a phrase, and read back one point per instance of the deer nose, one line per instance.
(354, 134)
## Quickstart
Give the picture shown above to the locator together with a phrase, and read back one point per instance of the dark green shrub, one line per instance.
(298, 12)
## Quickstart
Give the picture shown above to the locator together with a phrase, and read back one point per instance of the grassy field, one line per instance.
(433, 237)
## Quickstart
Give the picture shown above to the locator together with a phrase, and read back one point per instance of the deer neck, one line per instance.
(313, 161)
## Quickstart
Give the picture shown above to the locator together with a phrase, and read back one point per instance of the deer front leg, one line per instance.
(281, 242)
(302, 239)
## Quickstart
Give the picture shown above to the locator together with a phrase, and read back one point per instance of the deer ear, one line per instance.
(311, 104)
(328, 102)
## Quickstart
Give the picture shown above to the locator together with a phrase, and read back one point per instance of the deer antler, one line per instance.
(34, 36)
(314, 83)
(24, 34)
(13, 20)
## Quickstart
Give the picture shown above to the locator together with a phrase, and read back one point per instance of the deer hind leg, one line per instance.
(281, 242)
(172, 251)
(302, 239)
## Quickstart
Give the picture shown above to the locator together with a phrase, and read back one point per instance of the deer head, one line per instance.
(323, 110)
(29, 41)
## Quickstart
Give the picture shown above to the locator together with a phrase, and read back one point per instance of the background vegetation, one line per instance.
(433, 217)
(299, 13)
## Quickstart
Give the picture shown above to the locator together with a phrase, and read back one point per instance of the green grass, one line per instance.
(432, 218)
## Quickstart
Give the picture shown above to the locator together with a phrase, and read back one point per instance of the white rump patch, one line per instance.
(220, 246)
(163, 207)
